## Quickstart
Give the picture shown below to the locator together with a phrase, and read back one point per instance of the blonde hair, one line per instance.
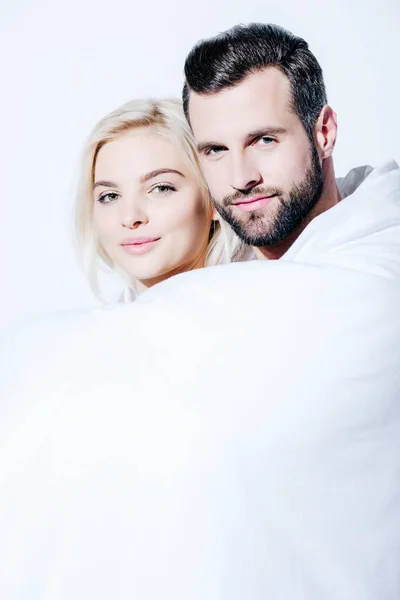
(166, 117)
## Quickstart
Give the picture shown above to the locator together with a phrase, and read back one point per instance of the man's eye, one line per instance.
(163, 188)
(266, 141)
(108, 197)
(214, 150)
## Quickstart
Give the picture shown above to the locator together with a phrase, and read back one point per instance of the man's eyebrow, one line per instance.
(157, 172)
(266, 131)
(104, 184)
(205, 145)
(258, 133)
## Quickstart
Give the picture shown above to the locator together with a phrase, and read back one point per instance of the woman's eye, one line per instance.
(163, 188)
(108, 197)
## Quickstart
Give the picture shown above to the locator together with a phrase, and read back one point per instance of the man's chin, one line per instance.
(256, 236)
(250, 226)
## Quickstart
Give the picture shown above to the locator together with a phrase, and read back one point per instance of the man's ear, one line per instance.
(325, 132)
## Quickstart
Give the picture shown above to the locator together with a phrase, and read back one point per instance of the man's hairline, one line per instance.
(252, 71)
(291, 105)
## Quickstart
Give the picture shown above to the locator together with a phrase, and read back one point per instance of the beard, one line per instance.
(258, 229)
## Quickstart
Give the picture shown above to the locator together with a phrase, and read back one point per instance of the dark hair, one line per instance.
(226, 59)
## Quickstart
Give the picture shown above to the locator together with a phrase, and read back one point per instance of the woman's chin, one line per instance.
(146, 274)
(147, 278)
(143, 269)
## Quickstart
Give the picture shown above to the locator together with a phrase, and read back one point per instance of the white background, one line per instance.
(65, 64)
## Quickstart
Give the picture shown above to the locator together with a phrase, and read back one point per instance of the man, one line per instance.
(256, 101)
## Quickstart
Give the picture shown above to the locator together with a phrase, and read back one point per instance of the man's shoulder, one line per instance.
(348, 184)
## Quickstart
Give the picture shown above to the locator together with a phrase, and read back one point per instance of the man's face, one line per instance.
(263, 172)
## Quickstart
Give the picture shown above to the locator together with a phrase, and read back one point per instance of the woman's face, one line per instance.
(149, 213)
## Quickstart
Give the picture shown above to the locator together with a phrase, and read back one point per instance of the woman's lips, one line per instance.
(139, 245)
(254, 203)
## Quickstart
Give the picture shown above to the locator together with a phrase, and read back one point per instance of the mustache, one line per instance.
(255, 191)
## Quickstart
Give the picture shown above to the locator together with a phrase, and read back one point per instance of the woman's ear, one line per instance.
(325, 132)
(215, 215)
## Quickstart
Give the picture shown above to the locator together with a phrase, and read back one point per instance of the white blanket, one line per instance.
(232, 435)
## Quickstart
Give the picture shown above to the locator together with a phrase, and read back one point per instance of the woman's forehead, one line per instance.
(139, 152)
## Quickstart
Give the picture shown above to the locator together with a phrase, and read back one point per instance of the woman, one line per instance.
(143, 207)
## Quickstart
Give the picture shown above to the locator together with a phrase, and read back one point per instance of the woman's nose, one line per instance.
(133, 215)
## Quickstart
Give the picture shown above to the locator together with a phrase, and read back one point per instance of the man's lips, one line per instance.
(248, 204)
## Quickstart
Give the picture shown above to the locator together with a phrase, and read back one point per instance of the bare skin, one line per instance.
(250, 138)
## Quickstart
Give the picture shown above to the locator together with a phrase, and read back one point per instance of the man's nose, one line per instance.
(244, 173)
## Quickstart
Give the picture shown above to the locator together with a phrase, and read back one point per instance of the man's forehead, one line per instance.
(262, 98)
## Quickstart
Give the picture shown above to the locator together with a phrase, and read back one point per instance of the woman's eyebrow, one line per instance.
(104, 184)
(144, 178)
(157, 172)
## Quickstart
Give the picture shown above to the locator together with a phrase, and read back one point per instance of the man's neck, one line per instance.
(329, 198)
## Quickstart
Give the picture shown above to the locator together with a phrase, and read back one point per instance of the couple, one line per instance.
(247, 163)
(235, 433)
